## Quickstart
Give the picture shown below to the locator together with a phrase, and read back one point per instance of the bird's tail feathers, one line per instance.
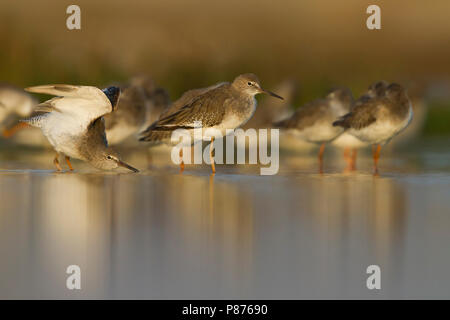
(35, 121)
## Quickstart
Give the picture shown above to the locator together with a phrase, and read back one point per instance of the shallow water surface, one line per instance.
(161, 234)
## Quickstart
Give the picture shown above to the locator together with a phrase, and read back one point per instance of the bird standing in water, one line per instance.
(74, 125)
(314, 121)
(377, 120)
(349, 142)
(227, 106)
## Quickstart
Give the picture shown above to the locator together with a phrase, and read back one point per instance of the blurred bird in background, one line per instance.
(15, 103)
(141, 103)
(377, 120)
(313, 122)
(350, 143)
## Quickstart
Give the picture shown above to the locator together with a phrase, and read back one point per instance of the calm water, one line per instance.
(160, 234)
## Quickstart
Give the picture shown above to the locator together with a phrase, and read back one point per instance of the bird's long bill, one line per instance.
(270, 93)
(123, 164)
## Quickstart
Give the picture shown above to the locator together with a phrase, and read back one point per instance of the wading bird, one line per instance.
(74, 125)
(313, 122)
(349, 142)
(379, 119)
(227, 106)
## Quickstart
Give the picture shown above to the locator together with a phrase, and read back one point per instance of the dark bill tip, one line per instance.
(124, 165)
(273, 94)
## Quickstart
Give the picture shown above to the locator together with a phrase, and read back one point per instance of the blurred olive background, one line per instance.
(186, 44)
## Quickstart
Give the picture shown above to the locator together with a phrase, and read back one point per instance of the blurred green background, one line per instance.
(187, 44)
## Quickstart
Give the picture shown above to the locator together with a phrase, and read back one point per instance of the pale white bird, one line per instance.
(74, 125)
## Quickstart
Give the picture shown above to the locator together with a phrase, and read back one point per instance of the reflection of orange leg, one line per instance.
(56, 163)
(7, 133)
(68, 163)
(149, 159)
(376, 155)
(211, 194)
(211, 156)
(321, 150)
(182, 162)
(353, 159)
(347, 159)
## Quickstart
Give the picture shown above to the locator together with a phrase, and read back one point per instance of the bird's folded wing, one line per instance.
(187, 98)
(208, 109)
(305, 116)
(83, 102)
(362, 115)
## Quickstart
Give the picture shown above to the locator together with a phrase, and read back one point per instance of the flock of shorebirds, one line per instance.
(82, 122)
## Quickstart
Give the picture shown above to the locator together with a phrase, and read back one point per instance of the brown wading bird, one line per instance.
(227, 106)
(313, 122)
(379, 119)
(349, 142)
(73, 123)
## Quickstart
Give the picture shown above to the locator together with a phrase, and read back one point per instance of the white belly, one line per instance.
(63, 132)
(381, 132)
(346, 140)
(317, 133)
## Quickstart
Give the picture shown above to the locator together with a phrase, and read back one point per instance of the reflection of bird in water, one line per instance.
(349, 142)
(227, 106)
(313, 122)
(379, 119)
(140, 104)
(14, 103)
(73, 123)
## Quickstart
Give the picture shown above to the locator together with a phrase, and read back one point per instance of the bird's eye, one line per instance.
(249, 83)
(109, 157)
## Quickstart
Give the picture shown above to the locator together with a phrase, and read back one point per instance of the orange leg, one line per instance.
(56, 163)
(353, 159)
(68, 163)
(376, 155)
(211, 156)
(321, 150)
(347, 159)
(7, 133)
(182, 162)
